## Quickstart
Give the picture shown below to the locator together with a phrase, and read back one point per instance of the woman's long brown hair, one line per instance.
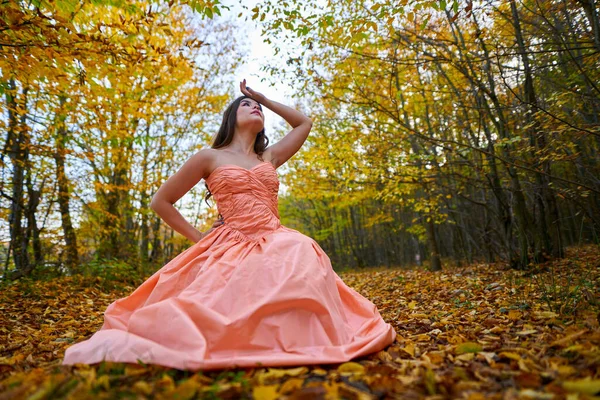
(227, 130)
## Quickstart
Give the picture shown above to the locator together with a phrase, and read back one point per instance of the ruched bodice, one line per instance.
(246, 198)
(252, 292)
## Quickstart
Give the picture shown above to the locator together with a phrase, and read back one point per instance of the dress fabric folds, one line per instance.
(251, 293)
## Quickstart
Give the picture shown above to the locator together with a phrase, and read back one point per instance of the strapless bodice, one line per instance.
(246, 198)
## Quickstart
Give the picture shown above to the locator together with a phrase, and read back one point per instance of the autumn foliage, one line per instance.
(451, 175)
(482, 331)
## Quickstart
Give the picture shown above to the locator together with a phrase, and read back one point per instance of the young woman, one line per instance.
(250, 292)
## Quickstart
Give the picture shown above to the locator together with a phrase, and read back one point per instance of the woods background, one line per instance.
(443, 132)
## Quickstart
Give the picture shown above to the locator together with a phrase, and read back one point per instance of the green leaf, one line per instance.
(424, 23)
(468, 347)
(66, 6)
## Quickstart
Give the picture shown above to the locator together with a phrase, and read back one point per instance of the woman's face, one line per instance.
(250, 116)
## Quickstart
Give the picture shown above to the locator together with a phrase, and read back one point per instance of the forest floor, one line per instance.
(475, 332)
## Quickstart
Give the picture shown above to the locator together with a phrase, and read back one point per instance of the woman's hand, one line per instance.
(254, 95)
(217, 223)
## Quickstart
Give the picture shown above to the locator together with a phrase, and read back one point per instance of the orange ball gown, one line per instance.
(251, 293)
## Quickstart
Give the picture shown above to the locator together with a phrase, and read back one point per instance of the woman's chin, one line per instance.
(252, 126)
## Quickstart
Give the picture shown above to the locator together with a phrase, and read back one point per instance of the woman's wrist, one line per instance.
(198, 235)
(266, 102)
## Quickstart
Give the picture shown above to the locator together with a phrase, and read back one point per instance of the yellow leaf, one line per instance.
(498, 329)
(265, 392)
(275, 373)
(412, 305)
(576, 348)
(429, 379)
(165, 382)
(185, 390)
(514, 315)
(586, 386)
(12, 360)
(465, 357)
(103, 381)
(566, 370)
(568, 339)
(410, 349)
(507, 354)
(351, 367)
(523, 366)
(291, 385)
(546, 314)
(142, 387)
(132, 370)
(435, 357)
(332, 389)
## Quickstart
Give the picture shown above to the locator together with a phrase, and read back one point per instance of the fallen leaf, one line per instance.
(351, 367)
(265, 392)
(514, 315)
(142, 387)
(585, 386)
(545, 314)
(291, 385)
(276, 373)
(568, 339)
(468, 347)
(526, 332)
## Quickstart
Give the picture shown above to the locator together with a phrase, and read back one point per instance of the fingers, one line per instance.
(245, 89)
(218, 222)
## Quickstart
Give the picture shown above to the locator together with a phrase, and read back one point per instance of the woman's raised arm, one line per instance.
(284, 149)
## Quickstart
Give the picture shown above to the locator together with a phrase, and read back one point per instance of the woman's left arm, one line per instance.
(293, 140)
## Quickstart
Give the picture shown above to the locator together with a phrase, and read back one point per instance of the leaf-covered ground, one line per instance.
(475, 332)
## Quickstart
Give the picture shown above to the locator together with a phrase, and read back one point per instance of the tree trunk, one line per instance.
(434, 252)
(17, 143)
(33, 232)
(70, 237)
(548, 217)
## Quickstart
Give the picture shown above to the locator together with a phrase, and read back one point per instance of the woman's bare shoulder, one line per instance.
(206, 156)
